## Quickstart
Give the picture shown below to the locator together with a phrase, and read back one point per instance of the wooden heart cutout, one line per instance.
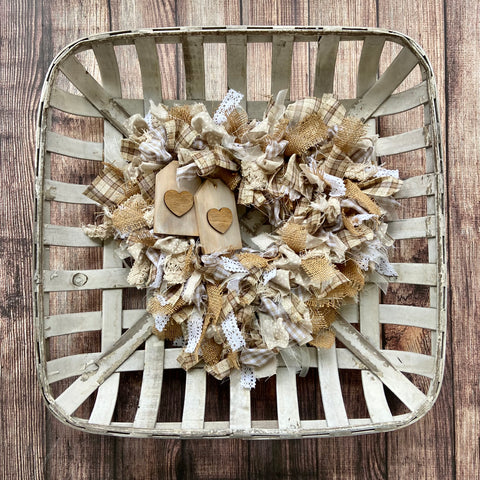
(220, 220)
(179, 203)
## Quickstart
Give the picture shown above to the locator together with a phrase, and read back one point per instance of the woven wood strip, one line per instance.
(373, 391)
(149, 401)
(66, 192)
(398, 70)
(369, 64)
(71, 103)
(332, 399)
(65, 323)
(194, 60)
(240, 406)
(410, 316)
(379, 365)
(72, 147)
(150, 69)
(403, 101)
(94, 92)
(237, 66)
(287, 400)
(419, 227)
(104, 366)
(418, 186)
(67, 280)
(325, 66)
(68, 237)
(108, 66)
(194, 404)
(403, 142)
(282, 48)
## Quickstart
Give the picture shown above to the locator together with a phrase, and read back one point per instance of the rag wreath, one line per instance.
(311, 204)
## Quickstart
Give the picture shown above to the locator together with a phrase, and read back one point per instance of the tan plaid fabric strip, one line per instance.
(224, 159)
(220, 370)
(331, 110)
(185, 135)
(337, 163)
(381, 187)
(256, 357)
(297, 332)
(129, 150)
(146, 182)
(187, 360)
(107, 189)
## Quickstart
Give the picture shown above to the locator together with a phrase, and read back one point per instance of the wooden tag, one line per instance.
(220, 220)
(172, 217)
(218, 230)
(179, 203)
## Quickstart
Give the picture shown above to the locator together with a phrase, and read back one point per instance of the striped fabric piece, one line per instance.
(256, 357)
(381, 187)
(107, 188)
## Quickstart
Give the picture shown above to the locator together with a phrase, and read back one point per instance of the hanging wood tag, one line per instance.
(174, 213)
(217, 218)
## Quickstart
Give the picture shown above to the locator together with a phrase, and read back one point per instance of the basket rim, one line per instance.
(126, 37)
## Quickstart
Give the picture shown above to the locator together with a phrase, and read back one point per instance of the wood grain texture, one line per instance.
(35, 445)
(463, 87)
(428, 443)
(23, 416)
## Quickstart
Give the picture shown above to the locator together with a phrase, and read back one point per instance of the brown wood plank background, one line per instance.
(34, 445)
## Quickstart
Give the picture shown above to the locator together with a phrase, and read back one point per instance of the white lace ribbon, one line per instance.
(232, 332)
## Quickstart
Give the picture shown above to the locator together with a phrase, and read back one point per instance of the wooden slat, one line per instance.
(194, 405)
(106, 400)
(237, 65)
(85, 385)
(407, 362)
(146, 415)
(403, 101)
(325, 66)
(282, 48)
(240, 407)
(72, 147)
(369, 63)
(94, 92)
(373, 390)
(71, 103)
(68, 237)
(108, 65)
(150, 70)
(62, 280)
(418, 186)
(398, 70)
(287, 400)
(194, 67)
(409, 316)
(66, 192)
(379, 365)
(332, 399)
(403, 142)
(65, 323)
(420, 227)
(416, 273)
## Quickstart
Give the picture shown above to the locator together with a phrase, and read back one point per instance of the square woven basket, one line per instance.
(102, 371)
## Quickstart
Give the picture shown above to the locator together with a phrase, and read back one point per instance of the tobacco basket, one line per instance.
(93, 365)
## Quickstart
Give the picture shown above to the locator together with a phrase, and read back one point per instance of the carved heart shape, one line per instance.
(179, 203)
(220, 220)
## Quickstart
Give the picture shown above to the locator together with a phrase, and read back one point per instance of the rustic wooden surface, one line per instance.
(34, 445)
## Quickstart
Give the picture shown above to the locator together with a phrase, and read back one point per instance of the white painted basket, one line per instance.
(84, 389)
